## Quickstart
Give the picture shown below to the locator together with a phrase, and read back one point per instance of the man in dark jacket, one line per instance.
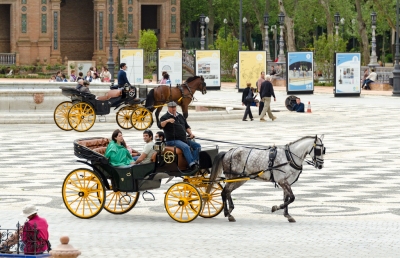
(175, 129)
(298, 107)
(122, 78)
(266, 91)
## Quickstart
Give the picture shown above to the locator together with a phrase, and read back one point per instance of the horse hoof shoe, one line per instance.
(291, 220)
(274, 208)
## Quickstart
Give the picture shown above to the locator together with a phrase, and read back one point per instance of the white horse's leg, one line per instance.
(288, 199)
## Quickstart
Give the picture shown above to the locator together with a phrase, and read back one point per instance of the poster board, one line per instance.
(207, 63)
(347, 74)
(251, 64)
(134, 59)
(171, 62)
(300, 73)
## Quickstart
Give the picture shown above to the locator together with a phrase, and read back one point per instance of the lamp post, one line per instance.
(266, 44)
(373, 60)
(396, 70)
(225, 22)
(202, 21)
(240, 24)
(281, 57)
(273, 29)
(244, 29)
(110, 62)
(207, 20)
(337, 20)
(342, 23)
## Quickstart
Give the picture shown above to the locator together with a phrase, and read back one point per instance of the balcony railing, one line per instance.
(7, 58)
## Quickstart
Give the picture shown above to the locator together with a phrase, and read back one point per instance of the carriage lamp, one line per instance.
(127, 87)
(159, 146)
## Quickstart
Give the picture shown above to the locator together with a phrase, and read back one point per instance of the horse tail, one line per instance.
(216, 169)
(150, 100)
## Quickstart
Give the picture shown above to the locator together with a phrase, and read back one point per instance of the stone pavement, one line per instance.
(350, 208)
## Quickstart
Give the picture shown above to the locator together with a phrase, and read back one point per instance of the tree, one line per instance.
(325, 48)
(229, 51)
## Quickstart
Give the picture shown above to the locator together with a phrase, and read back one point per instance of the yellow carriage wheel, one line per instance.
(61, 115)
(141, 118)
(183, 202)
(120, 202)
(83, 193)
(81, 116)
(123, 117)
(212, 202)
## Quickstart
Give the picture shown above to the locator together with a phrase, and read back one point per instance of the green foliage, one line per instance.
(389, 58)
(148, 41)
(325, 48)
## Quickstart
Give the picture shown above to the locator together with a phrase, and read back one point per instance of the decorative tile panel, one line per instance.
(173, 23)
(44, 1)
(130, 2)
(173, 2)
(44, 23)
(55, 38)
(130, 23)
(23, 23)
(101, 30)
(23, 1)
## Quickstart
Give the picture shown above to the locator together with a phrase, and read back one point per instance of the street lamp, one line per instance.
(273, 29)
(110, 62)
(373, 60)
(202, 21)
(240, 24)
(244, 29)
(207, 20)
(266, 44)
(281, 57)
(396, 70)
(337, 19)
(342, 23)
(225, 22)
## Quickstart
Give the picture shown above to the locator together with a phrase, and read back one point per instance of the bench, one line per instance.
(278, 82)
(379, 86)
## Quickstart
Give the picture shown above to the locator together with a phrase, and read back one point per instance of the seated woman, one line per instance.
(117, 152)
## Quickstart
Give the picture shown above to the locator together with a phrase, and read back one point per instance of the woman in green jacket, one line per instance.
(117, 152)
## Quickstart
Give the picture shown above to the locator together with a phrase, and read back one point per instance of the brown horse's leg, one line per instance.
(157, 114)
(288, 199)
(184, 105)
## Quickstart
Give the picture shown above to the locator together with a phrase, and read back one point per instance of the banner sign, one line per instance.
(208, 65)
(170, 61)
(135, 64)
(251, 64)
(347, 73)
(300, 72)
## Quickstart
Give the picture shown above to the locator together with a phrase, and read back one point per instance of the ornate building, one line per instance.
(51, 31)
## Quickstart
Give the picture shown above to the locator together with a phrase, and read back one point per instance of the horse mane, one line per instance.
(302, 138)
(190, 79)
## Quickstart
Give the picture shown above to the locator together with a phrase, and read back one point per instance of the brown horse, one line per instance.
(182, 94)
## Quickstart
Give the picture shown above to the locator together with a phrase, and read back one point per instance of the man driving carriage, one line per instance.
(175, 128)
(122, 78)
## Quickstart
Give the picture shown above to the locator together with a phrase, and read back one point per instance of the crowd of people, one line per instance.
(92, 75)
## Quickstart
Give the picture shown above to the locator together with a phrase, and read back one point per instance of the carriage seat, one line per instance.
(182, 163)
(110, 94)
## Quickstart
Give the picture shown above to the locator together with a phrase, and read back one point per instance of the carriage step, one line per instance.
(147, 196)
(102, 119)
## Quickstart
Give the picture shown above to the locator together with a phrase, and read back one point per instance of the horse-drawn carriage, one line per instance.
(87, 191)
(79, 114)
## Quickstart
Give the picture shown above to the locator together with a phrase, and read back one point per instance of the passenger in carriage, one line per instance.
(160, 136)
(148, 150)
(117, 152)
(83, 86)
(175, 128)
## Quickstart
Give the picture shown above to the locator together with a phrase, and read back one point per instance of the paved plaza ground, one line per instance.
(350, 208)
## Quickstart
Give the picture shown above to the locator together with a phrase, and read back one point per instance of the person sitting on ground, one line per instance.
(279, 72)
(80, 76)
(117, 151)
(160, 136)
(166, 79)
(83, 86)
(30, 243)
(58, 77)
(88, 76)
(162, 81)
(273, 72)
(63, 78)
(298, 107)
(371, 78)
(148, 150)
(72, 77)
(53, 78)
(96, 78)
(175, 128)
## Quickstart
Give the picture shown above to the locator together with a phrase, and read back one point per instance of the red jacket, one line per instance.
(28, 237)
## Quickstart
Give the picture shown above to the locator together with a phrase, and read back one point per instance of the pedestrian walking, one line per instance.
(267, 90)
(247, 99)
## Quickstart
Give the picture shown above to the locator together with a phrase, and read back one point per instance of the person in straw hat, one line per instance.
(30, 244)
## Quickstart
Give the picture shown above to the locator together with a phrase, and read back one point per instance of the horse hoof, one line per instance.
(274, 208)
(231, 218)
(290, 219)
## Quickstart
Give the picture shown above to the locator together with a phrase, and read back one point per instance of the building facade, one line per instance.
(53, 31)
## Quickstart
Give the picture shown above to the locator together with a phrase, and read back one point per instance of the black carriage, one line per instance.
(86, 191)
(79, 114)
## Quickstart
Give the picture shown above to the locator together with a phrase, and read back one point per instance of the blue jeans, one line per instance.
(190, 156)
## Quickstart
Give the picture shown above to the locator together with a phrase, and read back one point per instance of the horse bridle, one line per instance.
(203, 89)
(319, 150)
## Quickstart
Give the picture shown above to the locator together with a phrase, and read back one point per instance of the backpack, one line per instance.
(249, 95)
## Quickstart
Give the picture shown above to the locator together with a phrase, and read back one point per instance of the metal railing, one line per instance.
(7, 58)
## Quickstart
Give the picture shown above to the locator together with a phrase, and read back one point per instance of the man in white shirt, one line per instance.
(235, 70)
(148, 150)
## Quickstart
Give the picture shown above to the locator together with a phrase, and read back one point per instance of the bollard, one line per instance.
(65, 250)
